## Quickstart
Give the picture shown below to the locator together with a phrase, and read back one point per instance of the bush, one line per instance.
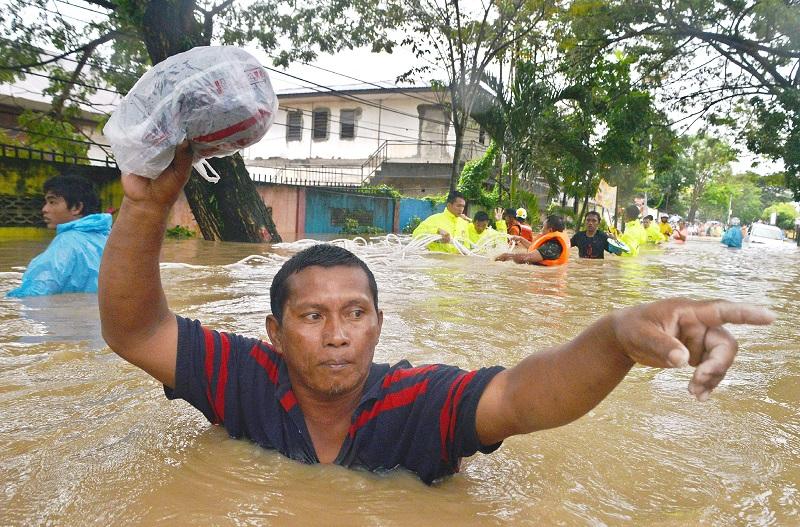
(179, 232)
(412, 224)
(785, 215)
(352, 227)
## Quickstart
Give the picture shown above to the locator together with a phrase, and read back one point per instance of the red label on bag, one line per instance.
(233, 129)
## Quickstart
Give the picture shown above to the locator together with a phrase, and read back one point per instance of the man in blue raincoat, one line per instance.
(72, 260)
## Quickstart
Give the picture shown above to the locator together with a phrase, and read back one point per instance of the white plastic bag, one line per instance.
(219, 97)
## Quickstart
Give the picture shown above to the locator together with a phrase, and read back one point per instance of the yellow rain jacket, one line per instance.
(665, 229)
(654, 234)
(633, 237)
(476, 238)
(454, 225)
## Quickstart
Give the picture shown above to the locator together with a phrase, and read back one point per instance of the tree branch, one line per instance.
(91, 45)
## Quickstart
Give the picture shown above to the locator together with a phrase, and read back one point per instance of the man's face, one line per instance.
(646, 222)
(329, 330)
(480, 226)
(592, 223)
(55, 211)
(664, 219)
(456, 208)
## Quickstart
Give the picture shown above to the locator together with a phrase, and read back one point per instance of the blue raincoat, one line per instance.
(72, 260)
(733, 237)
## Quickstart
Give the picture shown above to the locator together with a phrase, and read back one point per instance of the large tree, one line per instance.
(110, 48)
(462, 40)
(717, 59)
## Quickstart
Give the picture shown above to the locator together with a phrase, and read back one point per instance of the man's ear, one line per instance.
(77, 209)
(274, 332)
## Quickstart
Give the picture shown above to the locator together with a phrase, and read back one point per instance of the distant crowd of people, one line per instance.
(551, 246)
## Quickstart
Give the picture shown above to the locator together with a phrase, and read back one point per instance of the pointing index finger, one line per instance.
(719, 312)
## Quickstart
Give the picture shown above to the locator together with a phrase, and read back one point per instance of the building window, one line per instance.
(347, 124)
(482, 136)
(320, 122)
(294, 126)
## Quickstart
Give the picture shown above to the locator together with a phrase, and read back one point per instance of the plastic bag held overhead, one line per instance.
(219, 97)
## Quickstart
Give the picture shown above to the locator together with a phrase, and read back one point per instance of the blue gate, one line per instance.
(327, 210)
(422, 208)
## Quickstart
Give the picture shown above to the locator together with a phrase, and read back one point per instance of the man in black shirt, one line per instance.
(591, 243)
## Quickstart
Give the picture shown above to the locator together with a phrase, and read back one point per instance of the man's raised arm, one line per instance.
(556, 386)
(137, 323)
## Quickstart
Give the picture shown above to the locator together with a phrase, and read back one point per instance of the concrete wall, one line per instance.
(21, 181)
(415, 179)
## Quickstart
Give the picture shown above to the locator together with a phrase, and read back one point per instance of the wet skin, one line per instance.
(55, 211)
(329, 331)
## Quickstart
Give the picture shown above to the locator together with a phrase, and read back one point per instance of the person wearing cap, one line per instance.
(733, 236)
(448, 224)
(509, 223)
(525, 229)
(665, 227)
(653, 232)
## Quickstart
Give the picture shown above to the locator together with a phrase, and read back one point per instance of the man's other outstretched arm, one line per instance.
(557, 386)
(136, 321)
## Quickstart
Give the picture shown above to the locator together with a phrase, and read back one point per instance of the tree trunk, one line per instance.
(231, 209)
(455, 171)
(697, 191)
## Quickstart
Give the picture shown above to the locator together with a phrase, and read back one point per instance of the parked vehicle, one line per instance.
(766, 234)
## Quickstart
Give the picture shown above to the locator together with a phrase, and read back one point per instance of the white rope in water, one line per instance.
(377, 248)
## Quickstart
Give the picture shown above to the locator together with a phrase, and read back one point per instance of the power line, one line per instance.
(68, 81)
(83, 7)
(363, 81)
(340, 94)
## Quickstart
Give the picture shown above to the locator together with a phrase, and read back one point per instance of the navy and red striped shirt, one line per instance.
(421, 419)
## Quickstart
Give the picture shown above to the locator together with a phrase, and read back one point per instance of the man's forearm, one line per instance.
(131, 297)
(557, 386)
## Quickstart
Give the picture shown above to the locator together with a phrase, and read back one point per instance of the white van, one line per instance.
(766, 234)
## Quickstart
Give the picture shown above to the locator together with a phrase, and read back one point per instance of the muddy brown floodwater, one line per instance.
(87, 439)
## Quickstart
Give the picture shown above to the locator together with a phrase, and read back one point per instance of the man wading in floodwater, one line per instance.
(316, 396)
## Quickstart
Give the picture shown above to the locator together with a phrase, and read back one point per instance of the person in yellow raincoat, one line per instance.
(664, 227)
(653, 232)
(634, 235)
(479, 230)
(448, 224)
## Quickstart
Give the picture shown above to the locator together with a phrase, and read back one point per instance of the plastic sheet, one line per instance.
(219, 97)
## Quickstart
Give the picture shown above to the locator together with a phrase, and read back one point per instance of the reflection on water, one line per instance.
(86, 438)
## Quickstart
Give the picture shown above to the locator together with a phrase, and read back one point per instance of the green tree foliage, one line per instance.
(474, 177)
(581, 123)
(109, 50)
(709, 160)
(710, 59)
(461, 40)
(741, 192)
(785, 215)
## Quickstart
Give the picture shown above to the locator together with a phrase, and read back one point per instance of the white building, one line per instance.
(398, 136)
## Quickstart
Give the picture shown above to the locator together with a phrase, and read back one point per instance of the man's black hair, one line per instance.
(322, 255)
(75, 190)
(555, 222)
(648, 217)
(453, 195)
(593, 213)
(480, 216)
(511, 213)
(631, 212)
